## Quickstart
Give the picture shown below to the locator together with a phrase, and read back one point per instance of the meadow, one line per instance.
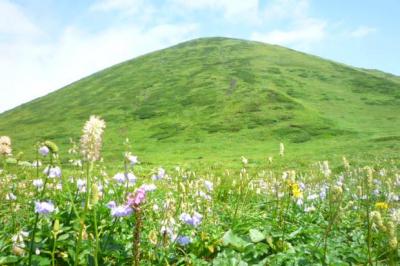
(81, 210)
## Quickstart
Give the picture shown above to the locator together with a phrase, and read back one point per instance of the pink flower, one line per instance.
(136, 199)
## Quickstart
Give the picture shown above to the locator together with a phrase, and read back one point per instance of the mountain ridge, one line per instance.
(234, 94)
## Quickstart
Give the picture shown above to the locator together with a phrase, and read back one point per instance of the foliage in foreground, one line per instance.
(86, 214)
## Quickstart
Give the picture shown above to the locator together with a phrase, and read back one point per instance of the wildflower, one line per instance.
(244, 160)
(136, 199)
(299, 202)
(36, 164)
(37, 251)
(38, 183)
(197, 217)
(119, 177)
(149, 187)
(381, 205)
(296, 191)
(376, 192)
(209, 185)
(111, 204)
(391, 228)
(131, 178)
(168, 230)
(346, 163)
(337, 191)
(44, 207)
(325, 169)
(132, 159)
(395, 216)
(5, 145)
(153, 237)
(160, 174)
(312, 197)
(309, 209)
(92, 138)
(155, 208)
(323, 192)
(193, 220)
(281, 149)
(44, 150)
(204, 195)
(19, 242)
(10, 196)
(53, 148)
(185, 217)
(121, 211)
(52, 171)
(376, 218)
(183, 240)
(81, 185)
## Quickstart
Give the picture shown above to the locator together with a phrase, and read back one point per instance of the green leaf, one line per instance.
(63, 237)
(270, 242)
(256, 235)
(230, 239)
(8, 259)
(295, 233)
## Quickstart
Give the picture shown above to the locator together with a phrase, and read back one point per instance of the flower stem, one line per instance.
(136, 238)
(37, 214)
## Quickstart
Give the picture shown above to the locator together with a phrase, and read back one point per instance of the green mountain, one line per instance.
(215, 99)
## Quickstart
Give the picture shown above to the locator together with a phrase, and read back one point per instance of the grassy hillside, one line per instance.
(217, 99)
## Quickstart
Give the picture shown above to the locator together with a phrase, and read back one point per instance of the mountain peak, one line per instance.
(221, 97)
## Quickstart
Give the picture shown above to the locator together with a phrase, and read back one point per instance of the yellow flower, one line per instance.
(381, 205)
(296, 192)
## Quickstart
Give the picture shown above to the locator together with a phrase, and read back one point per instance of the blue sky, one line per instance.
(47, 44)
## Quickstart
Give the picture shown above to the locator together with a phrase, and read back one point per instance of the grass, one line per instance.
(282, 212)
(215, 99)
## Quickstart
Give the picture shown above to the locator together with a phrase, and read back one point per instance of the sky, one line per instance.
(47, 44)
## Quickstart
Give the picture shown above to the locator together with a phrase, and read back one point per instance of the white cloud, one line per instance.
(232, 10)
(362, 31)
(285, 9)
(31, 67)
(130, 6)
(302, 35)
(13, 21)
(301, 30)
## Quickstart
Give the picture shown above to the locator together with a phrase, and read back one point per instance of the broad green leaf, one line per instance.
(230, 239)
(256, 235)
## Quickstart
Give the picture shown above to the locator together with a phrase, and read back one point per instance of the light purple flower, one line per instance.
(52, 172)
(131, 178)
(132, 159)
(160, 174)
(111, 204)
(121, 211)
(186, 218)
(197, 217)
(119, 177)
(81, 184)
(194, 220)
(183, 240)
(44, 150)
(209, 185)
(44, 207)
(204, 195)
(38, 183)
